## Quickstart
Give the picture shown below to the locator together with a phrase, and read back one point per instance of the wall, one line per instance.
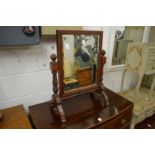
(25, 76)
(112, 80)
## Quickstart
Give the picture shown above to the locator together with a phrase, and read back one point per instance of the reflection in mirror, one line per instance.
(80, 60)
(123, 36)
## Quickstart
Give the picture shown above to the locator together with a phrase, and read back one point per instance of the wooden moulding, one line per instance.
(102, 88)
(55, 105)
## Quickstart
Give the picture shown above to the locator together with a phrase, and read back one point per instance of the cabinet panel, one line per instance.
(49, 30)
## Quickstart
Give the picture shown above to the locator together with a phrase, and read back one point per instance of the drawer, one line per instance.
(148, 123)
(122, 121)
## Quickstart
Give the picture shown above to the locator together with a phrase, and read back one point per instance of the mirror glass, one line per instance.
(123, 36)
(80, 60)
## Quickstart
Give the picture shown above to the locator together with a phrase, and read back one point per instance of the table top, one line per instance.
(14, 118)
(80, 110)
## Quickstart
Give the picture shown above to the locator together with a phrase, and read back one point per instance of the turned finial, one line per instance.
(103, 52)
(53, 57)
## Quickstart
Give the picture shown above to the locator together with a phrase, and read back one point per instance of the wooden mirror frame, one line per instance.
(57, 67)
(83, 89)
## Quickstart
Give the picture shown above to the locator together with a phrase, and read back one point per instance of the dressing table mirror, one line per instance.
(77, 69)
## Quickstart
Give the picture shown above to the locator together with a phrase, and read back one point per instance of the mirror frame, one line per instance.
(83, 89)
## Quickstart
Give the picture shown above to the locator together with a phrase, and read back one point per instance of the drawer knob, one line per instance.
(149, 125)
(99, 119)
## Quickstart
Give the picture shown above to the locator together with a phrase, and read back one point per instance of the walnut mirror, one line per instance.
(79, 61)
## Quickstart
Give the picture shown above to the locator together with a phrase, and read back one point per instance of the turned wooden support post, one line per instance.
(54, 69)
(56, 102)
(103, 61)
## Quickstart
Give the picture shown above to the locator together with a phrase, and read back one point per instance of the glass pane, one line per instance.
(80, 60)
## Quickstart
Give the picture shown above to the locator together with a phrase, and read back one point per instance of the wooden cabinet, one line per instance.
(15, 118)
(82, 113)
(51, 30)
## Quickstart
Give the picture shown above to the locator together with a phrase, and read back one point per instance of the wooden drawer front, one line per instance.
(121, 121)
(84, 77)
(148, 123)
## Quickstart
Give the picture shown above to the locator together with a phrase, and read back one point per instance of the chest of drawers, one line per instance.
(81, 114)
(15, 118)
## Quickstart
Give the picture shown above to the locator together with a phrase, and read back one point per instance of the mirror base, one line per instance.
(57, 109)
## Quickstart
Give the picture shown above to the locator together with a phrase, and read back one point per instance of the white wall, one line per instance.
(25, 76)
(112, 80)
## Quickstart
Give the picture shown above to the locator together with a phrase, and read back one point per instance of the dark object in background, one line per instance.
(81, 53)
(19, 35)
(29, 31)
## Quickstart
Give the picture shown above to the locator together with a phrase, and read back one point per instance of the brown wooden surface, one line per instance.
(84, 77)
(81, 112)
(14, 118)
